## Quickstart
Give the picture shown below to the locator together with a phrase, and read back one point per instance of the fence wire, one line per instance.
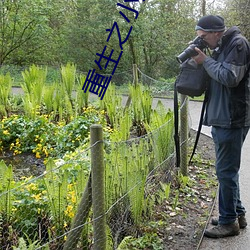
(44, 210)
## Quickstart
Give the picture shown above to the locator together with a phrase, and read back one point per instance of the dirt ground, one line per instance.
(187, 222)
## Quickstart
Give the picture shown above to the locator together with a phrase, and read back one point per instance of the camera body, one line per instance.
(190, 51)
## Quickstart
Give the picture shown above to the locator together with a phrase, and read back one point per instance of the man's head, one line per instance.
(211, 29)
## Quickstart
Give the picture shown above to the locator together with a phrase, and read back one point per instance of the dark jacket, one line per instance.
(229, 90)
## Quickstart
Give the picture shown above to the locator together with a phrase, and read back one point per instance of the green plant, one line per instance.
(62, 104)
(164, 191)
(56, 187)
(141, 104)
(147, 241)
(33, 85)
(68, 74)
(5, 89)
(6, 196)
(126, 173)
(82, 98)
(28, 244)
(30, 208)
(114, 109)
(176, 199)
(161, 128)
(48, 98)
(184, 181)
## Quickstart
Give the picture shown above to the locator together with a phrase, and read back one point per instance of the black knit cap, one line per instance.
(210, 23)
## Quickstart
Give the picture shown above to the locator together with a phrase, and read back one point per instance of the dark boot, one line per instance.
(241, 219)
(221, 231)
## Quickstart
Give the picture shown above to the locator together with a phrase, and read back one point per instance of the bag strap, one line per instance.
(176, 126)
(199, 127)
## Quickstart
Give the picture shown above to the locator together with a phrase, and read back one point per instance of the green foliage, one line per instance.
(23, 25)
(57, 188)
(33, 85)
(48, 98)
(5, 89)
(29, 245)
(43, 32)
(164, 191)
(126, 172)
(68, 73)
(30, 206)
(82, 98)
(43, 137)
(55, 196)
(6, 184)
(114, 109)
(161, 126)
(141, 104)
(147, 241)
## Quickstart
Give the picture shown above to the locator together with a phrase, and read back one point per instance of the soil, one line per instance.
(25, 164)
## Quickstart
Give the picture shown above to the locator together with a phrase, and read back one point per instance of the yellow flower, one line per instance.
(73, 199)
(69, 211)
(37, 196)
(38, 155)
(31, 187)
(12, 145)
(14, 209)
(6, 132)
(45, 151)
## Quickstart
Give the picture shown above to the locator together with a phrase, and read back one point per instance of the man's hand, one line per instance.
(200, 58)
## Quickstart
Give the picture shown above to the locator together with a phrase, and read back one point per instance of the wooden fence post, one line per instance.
(135, 82)
(135, 74)
(80, 218)
(98, 194)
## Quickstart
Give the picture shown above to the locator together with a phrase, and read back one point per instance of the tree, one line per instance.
(237, 13)
(21, 21)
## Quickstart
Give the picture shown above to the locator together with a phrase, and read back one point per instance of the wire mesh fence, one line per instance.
(42, 210)
(55, 210)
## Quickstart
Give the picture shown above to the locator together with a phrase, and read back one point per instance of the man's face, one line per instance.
(211, 38)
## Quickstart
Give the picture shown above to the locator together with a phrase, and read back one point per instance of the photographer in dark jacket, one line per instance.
(228, 112)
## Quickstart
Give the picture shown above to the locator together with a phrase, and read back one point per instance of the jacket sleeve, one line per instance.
(234, 66)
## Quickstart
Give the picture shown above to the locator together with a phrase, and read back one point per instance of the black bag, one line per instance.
(192, 80)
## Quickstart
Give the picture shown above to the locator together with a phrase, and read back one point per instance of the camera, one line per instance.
(190, 51)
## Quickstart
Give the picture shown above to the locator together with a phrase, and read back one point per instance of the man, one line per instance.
(228, 112)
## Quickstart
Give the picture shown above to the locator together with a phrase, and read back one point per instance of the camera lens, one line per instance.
(187, 53)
